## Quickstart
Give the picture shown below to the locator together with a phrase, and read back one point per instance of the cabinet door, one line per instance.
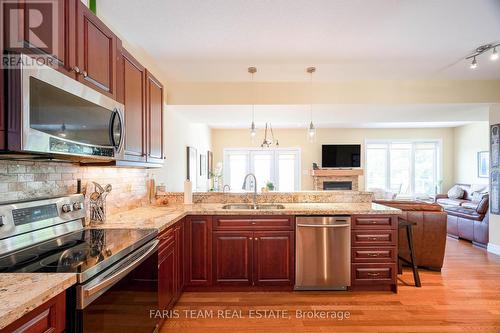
(274, 258)
(232, 257)
(198, 251)
(166, 278)
(53, 37)
(96, 52)
(154, 109)
(133, 76)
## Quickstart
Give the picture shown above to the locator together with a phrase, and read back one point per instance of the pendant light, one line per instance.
(253, 129)
(311, 130)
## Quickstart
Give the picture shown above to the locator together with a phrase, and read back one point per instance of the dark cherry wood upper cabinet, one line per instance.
(131, 78)
(154, 110)
(274, 258)
(96, 57)
(49, 317)
(54, 37)
(232, 257)
(198, 251)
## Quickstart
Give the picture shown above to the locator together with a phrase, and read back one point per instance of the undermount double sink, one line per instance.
(251, 206)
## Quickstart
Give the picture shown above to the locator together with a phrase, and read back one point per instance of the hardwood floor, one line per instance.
(464, 297)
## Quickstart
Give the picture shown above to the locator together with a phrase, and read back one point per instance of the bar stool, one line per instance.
(409, 234)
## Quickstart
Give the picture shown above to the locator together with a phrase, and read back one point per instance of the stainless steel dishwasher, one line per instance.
(323, 253)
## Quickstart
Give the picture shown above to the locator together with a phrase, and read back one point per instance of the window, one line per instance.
(280, 166)
(404, 167)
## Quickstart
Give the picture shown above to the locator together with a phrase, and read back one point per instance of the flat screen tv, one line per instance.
(341, 156)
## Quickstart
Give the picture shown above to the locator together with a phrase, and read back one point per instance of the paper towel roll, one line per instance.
(188, 192)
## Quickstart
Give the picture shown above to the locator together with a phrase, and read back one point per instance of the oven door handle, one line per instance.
(112, 279)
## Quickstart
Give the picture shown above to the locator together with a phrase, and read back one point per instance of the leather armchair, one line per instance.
(429, 232)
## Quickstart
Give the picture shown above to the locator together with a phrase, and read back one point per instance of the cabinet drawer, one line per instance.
(373, 237)
(166, 238)
(253, 222)
(380, 254)
(373, 274)
(374, 222)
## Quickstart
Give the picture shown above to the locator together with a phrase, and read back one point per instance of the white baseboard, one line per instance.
(494, 248)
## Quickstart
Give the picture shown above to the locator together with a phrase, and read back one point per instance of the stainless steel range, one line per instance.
(116, 268)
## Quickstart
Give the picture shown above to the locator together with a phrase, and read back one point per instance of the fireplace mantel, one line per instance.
(324, 175)
(336, 172)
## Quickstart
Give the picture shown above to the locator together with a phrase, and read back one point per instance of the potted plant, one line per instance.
(270, 186)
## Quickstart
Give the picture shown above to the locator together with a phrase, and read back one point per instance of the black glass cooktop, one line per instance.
(85, 252)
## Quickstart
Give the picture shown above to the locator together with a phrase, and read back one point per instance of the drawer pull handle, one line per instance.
(373, 274)
(374, 222)
(373, 254)
(373, 238)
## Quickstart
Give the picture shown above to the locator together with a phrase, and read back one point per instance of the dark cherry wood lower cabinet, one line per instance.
(374, 252)
(166, 277)
(170, 266)
(49, 317)
(198, 251)
(233, 258)
(248, 252)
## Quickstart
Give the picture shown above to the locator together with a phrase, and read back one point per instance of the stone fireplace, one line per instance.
(336, 179)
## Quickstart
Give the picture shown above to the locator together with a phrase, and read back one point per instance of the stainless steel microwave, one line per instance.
(64, 118)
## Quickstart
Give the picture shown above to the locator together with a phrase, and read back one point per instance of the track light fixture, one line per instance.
(494, 54)
(482, 49)
(473, 64)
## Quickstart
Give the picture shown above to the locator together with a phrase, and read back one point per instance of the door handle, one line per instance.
(87, 292)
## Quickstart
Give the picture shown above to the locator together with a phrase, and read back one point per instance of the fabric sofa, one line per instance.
(429, 232)
(468, 217)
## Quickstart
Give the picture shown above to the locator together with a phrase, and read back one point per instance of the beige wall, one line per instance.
(494, 227)
(355, 92)
(238, 138)
(469, 140)
(180, 133)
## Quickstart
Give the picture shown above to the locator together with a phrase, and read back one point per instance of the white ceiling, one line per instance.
(331, 116)
(216, 40)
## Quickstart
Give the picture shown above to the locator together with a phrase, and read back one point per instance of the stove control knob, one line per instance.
(66, 208)
(77, 205)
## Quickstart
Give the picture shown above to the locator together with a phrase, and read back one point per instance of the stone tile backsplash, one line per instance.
(25, 180)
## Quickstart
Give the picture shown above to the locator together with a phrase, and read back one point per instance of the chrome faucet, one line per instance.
(226, 187)
(254, 188)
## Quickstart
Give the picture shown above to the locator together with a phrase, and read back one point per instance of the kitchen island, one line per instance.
(201, 247)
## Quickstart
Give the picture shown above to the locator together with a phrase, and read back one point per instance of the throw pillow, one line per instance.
(477, 196)
(456, 192)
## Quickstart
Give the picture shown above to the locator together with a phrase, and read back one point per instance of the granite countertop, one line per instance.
(20, 293)
(161, 217)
